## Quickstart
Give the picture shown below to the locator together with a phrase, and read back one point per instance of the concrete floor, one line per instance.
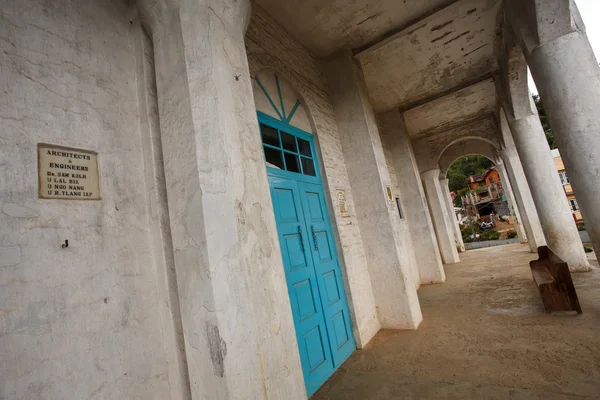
(484, 336)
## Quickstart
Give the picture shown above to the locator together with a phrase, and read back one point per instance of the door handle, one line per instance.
(312, 229)
(301, 238)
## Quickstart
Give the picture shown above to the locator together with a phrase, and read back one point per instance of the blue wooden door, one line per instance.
(313, 274)
(302, 282)
(327, 269)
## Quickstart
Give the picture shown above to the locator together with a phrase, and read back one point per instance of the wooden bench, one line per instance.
(554, 282)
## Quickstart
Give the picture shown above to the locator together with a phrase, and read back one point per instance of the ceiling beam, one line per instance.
(406, 27)
(452, 126)
(463, 85)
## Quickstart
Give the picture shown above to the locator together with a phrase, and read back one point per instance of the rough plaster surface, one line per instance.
(403, 229)
(403, 170)
(388, 256)
(460, 246)
(486, 345)
(325, 26)
(567, 73)
(447, 49)
(529, 215)
(238, 328)
(514, 170)
(548, 193)
(84, 321)
(455, 108)
(444, 230)
(271, 48)
(158, 216)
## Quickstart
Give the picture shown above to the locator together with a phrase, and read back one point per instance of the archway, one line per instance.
(471, 169)
(311, 263)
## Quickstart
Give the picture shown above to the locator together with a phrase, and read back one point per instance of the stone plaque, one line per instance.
(341, 195)
(68, 174)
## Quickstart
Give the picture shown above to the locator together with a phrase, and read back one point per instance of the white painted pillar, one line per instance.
(512, 202)
(237, 325)
(441, 222)
(551, 203)
(387, 254)
(516, 175)
(460, 244)
(567, 76)
(412, 196)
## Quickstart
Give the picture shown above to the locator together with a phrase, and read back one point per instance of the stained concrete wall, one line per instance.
(401, 225)
(84, 321)
(270, 48)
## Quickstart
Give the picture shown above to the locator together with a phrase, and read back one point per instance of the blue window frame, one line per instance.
(287, 148)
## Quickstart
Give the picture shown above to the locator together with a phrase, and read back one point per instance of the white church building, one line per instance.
(224, 199)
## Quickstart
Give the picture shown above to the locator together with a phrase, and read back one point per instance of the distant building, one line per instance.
(564, 179)
(491, 177)
(475, 181)
(488, 198)
(487, 178)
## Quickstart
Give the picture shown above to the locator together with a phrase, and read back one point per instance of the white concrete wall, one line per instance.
(401, 224)
(272, 49)
(84, 321)
(387, 256)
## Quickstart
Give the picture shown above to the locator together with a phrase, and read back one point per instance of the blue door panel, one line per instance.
(340, 332)
(303, 289)
(331, 286)
(313, 275)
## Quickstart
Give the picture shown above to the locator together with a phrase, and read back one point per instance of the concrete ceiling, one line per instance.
(325, 26)
(451, 110)
(446, 50)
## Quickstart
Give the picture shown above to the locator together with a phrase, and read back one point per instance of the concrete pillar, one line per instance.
(412, 196)
(237, 324)
(512, 202)
(550, 200)
(460, 245)
(441, 221)
(388, 255)
(567, 76)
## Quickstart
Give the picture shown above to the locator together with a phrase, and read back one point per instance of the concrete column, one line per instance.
(388, 256)
(550, 200)
(567, 76)
(412, 196)
(441, 221)
(460, 245)
(512, 202)
(237, 325)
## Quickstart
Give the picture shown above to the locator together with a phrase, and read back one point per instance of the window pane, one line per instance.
(304, 147)
(269, 135)
(289, 142)
(273, 158)
(308, 167)
(291, 162)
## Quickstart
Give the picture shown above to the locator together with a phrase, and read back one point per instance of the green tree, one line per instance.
(465, 167)
(544, 121)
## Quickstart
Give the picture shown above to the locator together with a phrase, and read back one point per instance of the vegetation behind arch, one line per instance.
(464, 167)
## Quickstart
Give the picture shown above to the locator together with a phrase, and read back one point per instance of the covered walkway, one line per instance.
(484, 336)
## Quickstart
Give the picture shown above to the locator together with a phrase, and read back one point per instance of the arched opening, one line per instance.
(478, 192)
(311, 263)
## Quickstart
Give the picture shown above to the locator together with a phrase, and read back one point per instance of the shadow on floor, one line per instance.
(484, 336)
